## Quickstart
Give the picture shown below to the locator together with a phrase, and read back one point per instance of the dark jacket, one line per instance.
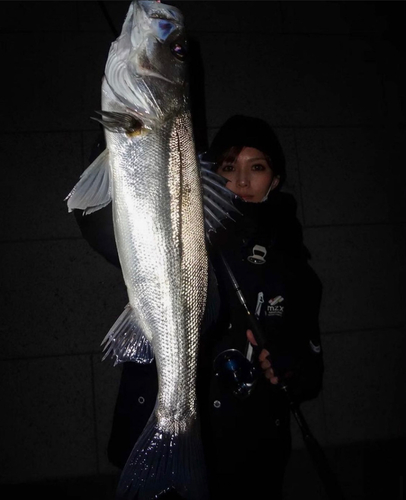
(264, 248)
(265, 252)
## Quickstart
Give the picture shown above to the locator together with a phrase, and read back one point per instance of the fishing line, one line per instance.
(108, 18)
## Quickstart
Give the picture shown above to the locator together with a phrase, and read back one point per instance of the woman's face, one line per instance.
(250, 175)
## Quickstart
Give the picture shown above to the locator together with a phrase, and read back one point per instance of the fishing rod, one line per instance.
(315, 451)
(108, 18)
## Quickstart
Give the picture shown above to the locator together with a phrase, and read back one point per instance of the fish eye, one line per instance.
(178, 50)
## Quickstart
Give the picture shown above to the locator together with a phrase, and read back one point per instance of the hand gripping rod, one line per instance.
(315, 451)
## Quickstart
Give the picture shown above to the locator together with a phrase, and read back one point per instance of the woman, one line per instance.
(246, 439)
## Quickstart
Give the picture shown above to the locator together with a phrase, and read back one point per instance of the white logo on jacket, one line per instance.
(258, 255)
(315, 347)
(272, 308)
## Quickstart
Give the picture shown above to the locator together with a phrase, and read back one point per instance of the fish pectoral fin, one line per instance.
(119, 122)
(93, 190)
(125, 340)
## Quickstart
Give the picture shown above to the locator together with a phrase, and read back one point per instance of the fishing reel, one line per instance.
(236, 372)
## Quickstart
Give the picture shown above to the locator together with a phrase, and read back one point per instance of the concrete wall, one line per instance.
(329, 77)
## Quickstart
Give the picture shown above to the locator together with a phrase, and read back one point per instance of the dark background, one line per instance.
(330, 78)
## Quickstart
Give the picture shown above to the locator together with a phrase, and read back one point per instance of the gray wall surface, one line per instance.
(330, 78)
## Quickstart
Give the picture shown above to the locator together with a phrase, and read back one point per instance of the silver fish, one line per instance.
(150, 173)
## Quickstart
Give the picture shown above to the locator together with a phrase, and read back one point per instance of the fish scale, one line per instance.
(178, 253)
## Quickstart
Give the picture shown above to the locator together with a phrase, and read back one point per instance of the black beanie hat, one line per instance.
(251, 132)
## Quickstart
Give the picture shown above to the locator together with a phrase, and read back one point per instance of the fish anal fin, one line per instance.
(126, 341)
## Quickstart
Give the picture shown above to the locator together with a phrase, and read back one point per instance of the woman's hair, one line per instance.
(243, 131)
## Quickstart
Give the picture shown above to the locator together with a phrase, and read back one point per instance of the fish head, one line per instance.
(159, 42)
(146, 67)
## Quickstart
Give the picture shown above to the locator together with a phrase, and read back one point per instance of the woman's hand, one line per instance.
(263, 360)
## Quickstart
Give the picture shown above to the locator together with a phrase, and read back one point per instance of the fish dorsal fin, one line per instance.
(125, 340)
(93, 190)
(217, 199)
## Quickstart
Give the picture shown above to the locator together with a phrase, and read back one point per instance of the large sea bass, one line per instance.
(149, 171)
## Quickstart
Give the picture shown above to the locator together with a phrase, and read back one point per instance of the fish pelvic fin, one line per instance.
(126, 341)
(160, 462)
(93, 191)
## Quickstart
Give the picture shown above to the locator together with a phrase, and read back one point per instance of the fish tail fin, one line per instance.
(160, 462)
